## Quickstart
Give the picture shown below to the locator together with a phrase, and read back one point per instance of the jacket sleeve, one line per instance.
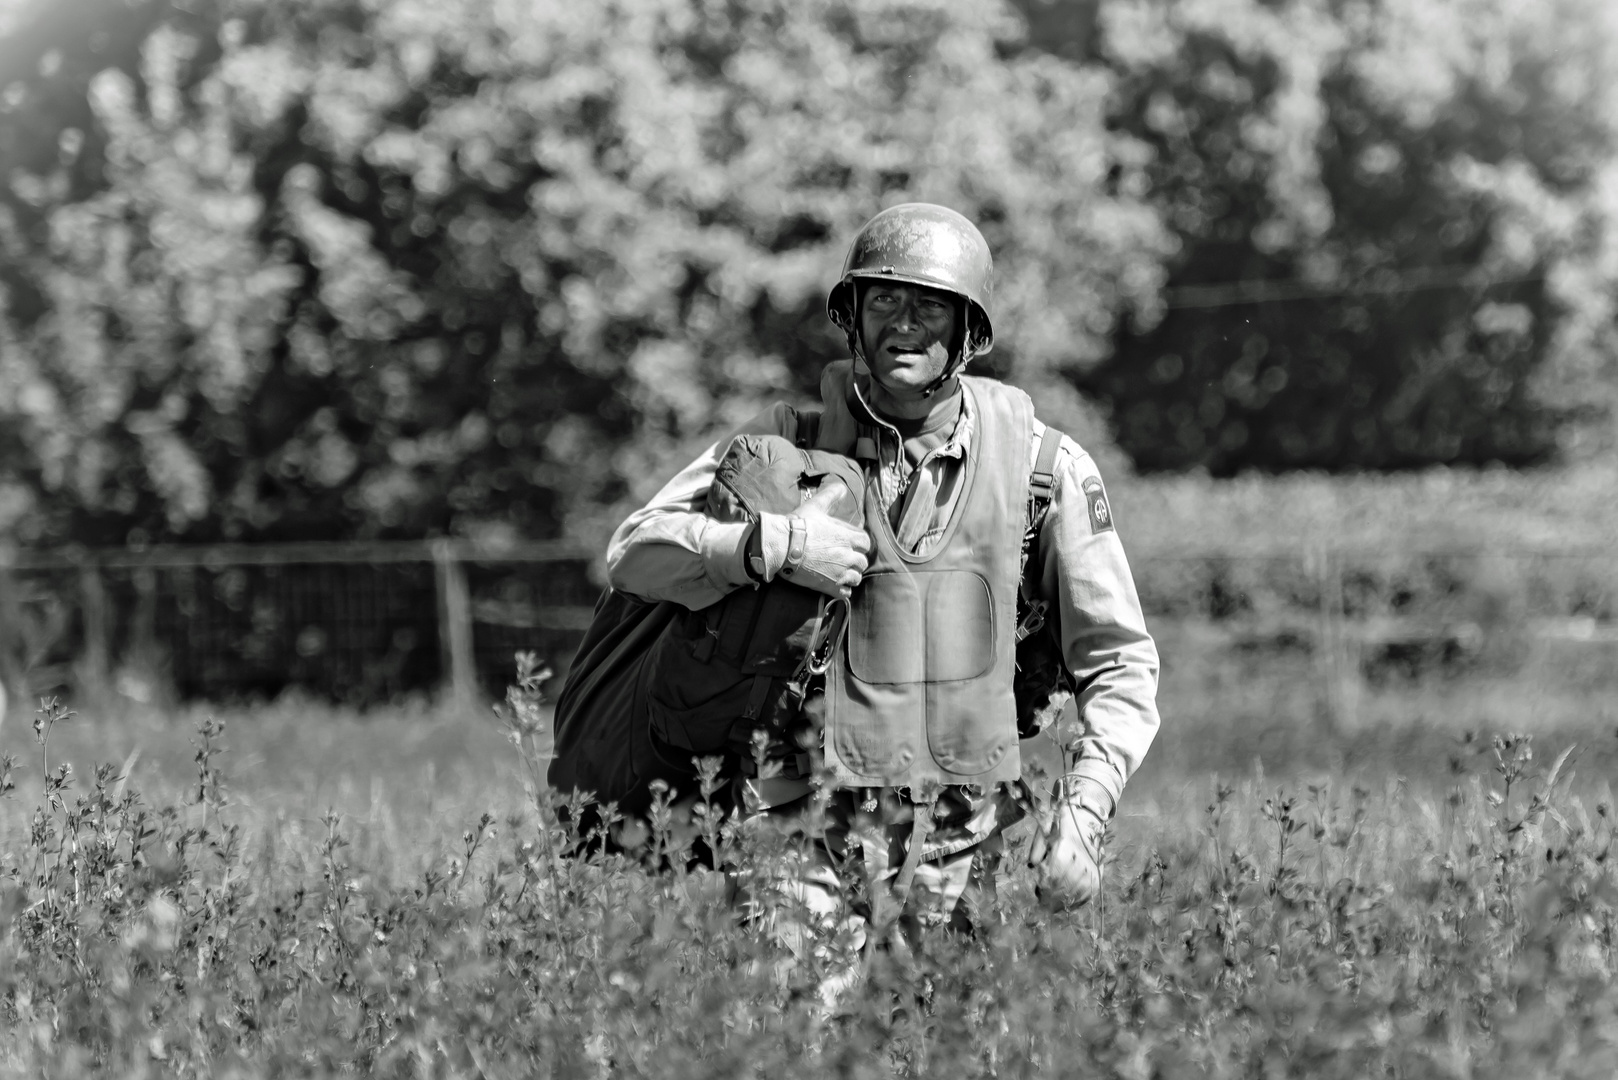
(1085, 578)
(670, 549)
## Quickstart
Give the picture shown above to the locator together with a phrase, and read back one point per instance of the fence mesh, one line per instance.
(364, 624)
(350, 629)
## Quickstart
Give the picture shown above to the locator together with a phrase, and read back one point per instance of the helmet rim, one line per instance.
(903, 243)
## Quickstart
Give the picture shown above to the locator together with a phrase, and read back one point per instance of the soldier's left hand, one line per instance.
(1067, 857)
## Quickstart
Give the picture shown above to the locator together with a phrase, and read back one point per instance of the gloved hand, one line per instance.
(814, 549)
(1067, 853)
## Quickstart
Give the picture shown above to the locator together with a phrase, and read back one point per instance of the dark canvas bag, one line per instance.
(602, 743)
(654, 685)
(719, 674)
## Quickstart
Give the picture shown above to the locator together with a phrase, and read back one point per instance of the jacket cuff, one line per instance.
(724, 553)
(1093, 784)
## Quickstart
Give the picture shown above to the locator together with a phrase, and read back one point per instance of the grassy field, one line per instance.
(329, 894)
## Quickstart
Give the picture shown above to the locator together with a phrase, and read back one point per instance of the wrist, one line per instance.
(753, 555)
(724, 552)
(1085, 793)
(797, 545)
(773, 537)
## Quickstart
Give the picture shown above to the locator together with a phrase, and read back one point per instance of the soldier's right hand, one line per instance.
(821, 552)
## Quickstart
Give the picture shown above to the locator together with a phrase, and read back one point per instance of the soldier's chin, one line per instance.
(907, 369)
(903, 384)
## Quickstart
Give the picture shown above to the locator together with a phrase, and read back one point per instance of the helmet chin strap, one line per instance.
(960, 358)
(957, 363)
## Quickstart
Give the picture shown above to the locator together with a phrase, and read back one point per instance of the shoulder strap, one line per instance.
(1041, 485)
(808, 430)
(1041, 488)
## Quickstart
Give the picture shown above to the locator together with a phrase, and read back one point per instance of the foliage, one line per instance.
(484, 268)
(1426, 191)
(1310, 932)
(335, 268)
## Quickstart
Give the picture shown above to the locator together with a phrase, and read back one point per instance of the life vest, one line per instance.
(922, 689)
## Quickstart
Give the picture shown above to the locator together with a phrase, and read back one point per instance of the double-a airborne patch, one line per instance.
(1100, 512)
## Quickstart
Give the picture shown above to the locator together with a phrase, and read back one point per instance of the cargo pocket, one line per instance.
(960, 621)
(887, 635)
(973, 732)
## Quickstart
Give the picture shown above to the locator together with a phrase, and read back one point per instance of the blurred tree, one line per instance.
(51, 147)
(335, 268)
(1423, 190)
(468, 266)
(160, 315)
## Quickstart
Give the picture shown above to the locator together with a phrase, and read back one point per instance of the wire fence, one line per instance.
(358, 623)
(364, 623)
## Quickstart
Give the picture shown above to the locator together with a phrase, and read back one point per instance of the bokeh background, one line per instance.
(336, 335)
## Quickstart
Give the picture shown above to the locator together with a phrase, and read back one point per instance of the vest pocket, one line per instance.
(931, 626)
(960, 626)
(887, 633)
(972, 742)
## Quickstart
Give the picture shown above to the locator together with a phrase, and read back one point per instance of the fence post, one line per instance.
(10, 633)
(1339, 663)
(455, 623)
(93, 598)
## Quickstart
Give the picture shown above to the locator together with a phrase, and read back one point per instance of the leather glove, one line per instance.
(814, 549)
(1067, 853)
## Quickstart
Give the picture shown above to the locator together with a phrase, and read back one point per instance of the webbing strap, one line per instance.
(808, 430)
(865, 443)
(760, 695)
(1042, 484)
(1041, 489)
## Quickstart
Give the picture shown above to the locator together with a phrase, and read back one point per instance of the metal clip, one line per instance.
(823, 645)
(1033, 619)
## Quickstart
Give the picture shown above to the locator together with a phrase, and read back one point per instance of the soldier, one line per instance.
(920, 728)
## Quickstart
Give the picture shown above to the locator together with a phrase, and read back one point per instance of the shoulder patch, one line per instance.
(1100, 511)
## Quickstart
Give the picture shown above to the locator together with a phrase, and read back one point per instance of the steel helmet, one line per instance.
(921, 244)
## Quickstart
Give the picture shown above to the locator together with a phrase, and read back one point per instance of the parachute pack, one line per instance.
(745, 663)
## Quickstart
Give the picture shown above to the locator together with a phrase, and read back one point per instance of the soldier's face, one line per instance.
(907, 331)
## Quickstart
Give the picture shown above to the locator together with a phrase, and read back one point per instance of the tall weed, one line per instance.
(1318, 933)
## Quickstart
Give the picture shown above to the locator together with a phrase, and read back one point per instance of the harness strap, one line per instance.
(1042, 484)
(865, 444)
(758, 697)
(1041, 489)
(808, 430)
